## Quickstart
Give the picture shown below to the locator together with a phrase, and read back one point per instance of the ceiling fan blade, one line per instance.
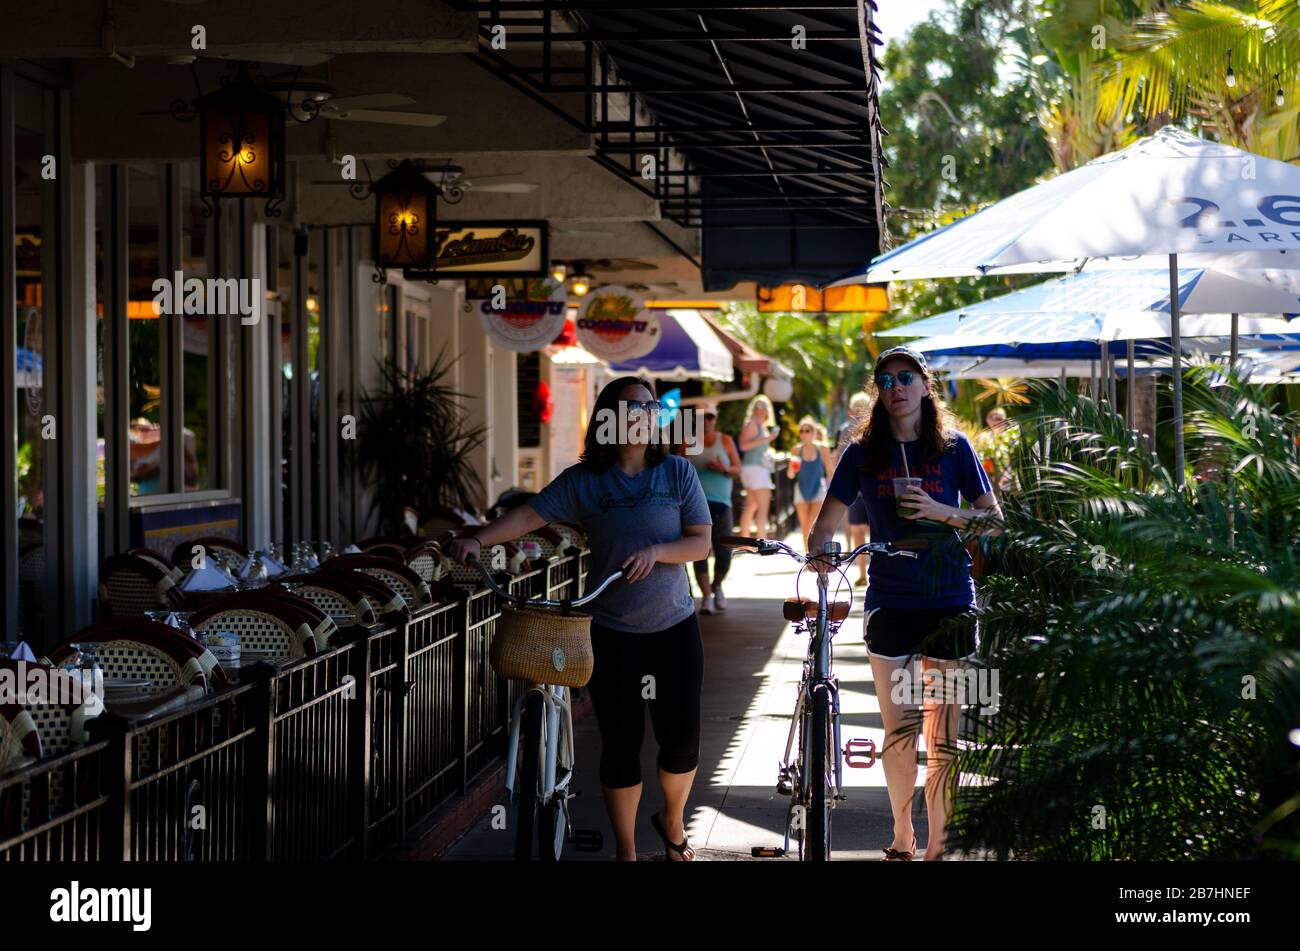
(282, 57)
(509, 188)
(378, 100)
(620, 264)
(424, 119)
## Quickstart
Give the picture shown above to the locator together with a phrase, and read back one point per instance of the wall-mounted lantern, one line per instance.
(405, 205)
(241, 142)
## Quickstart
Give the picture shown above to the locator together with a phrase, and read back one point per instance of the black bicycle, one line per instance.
(812, 773)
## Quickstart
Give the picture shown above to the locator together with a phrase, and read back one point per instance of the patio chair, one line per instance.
(548, 539)
(223, 551)
(20, 742)
(281, 624)
(175, 573)
(337, 594)
(413, 589)
(425, 559)
(130, 585)
(383, 597)
(142, 649)
(388, 546)
(445, 517)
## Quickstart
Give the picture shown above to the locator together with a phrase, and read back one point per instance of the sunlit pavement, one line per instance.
(752, 665)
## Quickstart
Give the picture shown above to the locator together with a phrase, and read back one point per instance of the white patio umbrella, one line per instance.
(1166, 194)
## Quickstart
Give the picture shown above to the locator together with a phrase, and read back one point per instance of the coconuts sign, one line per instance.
(614, 325)
(523, 322)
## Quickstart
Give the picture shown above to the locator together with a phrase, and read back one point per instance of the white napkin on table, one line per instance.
(352, 550)
(207, 578)
(23, 652)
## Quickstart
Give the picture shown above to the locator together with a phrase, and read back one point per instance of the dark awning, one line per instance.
(760, 118)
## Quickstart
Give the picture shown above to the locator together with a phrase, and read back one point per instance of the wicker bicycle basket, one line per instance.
(542, 646)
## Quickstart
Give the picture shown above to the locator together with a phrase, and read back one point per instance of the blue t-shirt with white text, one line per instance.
(939, 577)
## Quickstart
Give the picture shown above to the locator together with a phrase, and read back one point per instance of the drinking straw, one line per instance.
(903, 449)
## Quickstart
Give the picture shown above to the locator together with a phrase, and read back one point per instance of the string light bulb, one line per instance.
(1278, 97)
(559, 272)
(1231, 78)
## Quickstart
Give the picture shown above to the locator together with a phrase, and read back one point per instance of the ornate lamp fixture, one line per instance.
(405, 205)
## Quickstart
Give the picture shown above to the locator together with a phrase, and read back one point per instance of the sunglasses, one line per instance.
(638, 408)
(886, 380)
(710, 415)
(807, 429)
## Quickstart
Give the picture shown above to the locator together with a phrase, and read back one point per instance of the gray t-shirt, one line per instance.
(622, 514)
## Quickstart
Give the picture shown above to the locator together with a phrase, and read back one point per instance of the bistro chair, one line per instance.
(224, 552)
(548, 539)
(413, 589)
(175, 573)
(337, 594)
(142, 649)
(425, 559)
(388, 546)
(40, 727)
(130, 585)
(445, 517)
(266, 623)
(574, 538)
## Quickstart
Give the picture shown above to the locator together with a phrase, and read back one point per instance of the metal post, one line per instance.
(1175, 340)
(1235, 343)
(1131, 391)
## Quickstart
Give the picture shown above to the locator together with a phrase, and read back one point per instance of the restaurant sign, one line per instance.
(506, 248)
(521, 316)
(615, 325)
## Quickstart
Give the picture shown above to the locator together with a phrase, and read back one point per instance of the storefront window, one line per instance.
(144, 337)
(30, 405)
(197, 339)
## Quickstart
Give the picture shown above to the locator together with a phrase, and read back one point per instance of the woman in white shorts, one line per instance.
(810, 467)
(755, 471)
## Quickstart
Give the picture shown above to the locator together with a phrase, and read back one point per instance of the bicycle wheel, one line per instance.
(529, 770)
(818, 819)
(552, 827)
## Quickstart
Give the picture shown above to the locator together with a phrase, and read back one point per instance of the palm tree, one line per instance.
(1146, 640)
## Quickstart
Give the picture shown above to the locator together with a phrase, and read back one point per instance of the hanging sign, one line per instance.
(487, 248)
(525, 315)
(614, 325)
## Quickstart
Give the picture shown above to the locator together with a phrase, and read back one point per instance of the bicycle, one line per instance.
(814, 779)
(542, 717)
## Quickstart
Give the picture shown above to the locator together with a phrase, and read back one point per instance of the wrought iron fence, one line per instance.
(350, 753)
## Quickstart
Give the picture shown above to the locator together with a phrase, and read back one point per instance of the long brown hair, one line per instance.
(938, 431)
(598, 456)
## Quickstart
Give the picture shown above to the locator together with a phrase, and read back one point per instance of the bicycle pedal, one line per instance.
(784, 787)
(767, 852)
(857, 750)
(588, 840)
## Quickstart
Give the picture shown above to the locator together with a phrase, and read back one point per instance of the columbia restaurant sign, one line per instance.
(495, 248)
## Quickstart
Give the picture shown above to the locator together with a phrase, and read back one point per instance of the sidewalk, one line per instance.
(752, 666)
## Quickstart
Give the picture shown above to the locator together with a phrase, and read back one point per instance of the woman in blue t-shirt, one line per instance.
(643, 510)
(915, 607)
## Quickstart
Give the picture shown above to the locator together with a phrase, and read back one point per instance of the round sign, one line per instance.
(525, 325)
(614, 326)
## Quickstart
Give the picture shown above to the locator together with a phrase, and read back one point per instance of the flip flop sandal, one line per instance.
(679, 848)
(898, 855)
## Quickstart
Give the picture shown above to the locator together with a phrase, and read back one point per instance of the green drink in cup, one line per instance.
(901, 485)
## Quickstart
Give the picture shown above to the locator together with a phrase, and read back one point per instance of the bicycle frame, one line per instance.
(559, 723)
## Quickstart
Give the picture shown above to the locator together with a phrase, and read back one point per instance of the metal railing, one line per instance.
(347, 754)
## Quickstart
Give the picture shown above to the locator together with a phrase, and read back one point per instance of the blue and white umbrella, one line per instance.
(1167, 194)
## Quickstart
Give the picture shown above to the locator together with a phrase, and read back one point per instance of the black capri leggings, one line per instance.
(673, 659)
(721, 515)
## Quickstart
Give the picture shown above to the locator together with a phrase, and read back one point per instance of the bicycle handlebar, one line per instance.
(543, 602)
(772, 546)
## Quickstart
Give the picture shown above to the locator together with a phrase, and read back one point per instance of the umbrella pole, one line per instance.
(1130, 392)
(1232, 351)
(1112, 382)
(1175, 339)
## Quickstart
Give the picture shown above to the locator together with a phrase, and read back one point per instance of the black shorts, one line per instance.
(905, 632)
(858, 512)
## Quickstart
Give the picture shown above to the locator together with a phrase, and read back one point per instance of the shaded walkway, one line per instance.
(752, 666)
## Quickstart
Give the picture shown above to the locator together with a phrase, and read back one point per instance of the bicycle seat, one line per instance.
(797, 609)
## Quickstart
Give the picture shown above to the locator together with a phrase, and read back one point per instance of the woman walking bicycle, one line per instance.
(912, 468)
(643, 511)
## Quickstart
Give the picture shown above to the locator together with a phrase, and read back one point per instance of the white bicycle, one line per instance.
(539, 781)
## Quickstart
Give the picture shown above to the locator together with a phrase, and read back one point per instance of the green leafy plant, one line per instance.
(1146, 637)
(415, 442)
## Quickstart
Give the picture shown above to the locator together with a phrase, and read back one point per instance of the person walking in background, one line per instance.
(756, 437)
(643, 511)
(810, 467)
(717, 464)
(859, 410)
